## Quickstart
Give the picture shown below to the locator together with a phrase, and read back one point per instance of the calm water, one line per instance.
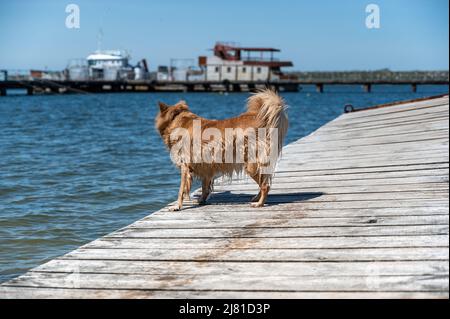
(73, 168)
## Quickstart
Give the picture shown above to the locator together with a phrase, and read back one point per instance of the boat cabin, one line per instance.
(235, 63)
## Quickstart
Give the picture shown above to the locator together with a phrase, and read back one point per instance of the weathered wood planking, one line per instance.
(358, 209)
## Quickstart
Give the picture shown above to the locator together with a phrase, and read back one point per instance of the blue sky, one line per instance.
(314, 34)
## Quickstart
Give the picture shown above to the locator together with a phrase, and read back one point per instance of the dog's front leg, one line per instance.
(184, 175)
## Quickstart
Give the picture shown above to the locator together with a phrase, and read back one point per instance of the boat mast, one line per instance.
(99, 39)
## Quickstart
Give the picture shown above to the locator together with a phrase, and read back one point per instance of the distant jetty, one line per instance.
(292, 83)
(369, 78)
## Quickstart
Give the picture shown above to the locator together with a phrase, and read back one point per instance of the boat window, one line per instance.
(258, 70)
(244, 70)
(229, 70)
(216, 69)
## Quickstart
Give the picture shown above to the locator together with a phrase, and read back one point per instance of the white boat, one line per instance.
(109, 65)
(106, 65)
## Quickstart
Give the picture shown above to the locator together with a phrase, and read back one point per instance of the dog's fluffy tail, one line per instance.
(271, 112)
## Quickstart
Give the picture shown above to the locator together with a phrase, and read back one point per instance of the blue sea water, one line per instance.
(76, 167)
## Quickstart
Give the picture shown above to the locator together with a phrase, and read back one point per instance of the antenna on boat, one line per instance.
(99, 39)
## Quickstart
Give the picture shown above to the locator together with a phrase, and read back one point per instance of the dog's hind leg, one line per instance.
(206, 190)
(263, 182)
(184, 180)
(264, 189)
(258, 196)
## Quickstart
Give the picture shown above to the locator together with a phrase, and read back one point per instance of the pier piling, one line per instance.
(367, 87)
(319, 88)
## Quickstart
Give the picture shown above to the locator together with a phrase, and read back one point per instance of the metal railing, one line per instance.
(262, 59)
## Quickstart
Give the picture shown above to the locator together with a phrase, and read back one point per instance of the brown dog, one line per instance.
(249, 137)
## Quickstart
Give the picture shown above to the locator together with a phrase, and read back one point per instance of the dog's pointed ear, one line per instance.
(162, 106)
(183, 104)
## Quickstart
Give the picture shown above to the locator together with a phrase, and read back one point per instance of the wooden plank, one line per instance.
(397, 268)
(299, 232)
(386, 176)
(355, 136)
(310, 205)
(437, 112)
(301, 222)
(271, 243)
(234, 283)
(400, 113)
(352, 145)
(430, 123)
(358, 209)
(433, 127)
(310, 160)
(302, 157)
(347, 168)
(58, 293)
(216, 212)
(324, 181)
(374, 150)
(390, 121)
(401, 108)
(434, 122)
(281, 187)
(296, 197)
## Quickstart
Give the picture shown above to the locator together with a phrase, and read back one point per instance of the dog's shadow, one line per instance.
(227, 198)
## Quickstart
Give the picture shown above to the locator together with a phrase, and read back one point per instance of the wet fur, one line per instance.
(265, 109)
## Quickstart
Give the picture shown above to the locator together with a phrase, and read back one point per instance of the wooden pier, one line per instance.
(40, 86)
(358, 209)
